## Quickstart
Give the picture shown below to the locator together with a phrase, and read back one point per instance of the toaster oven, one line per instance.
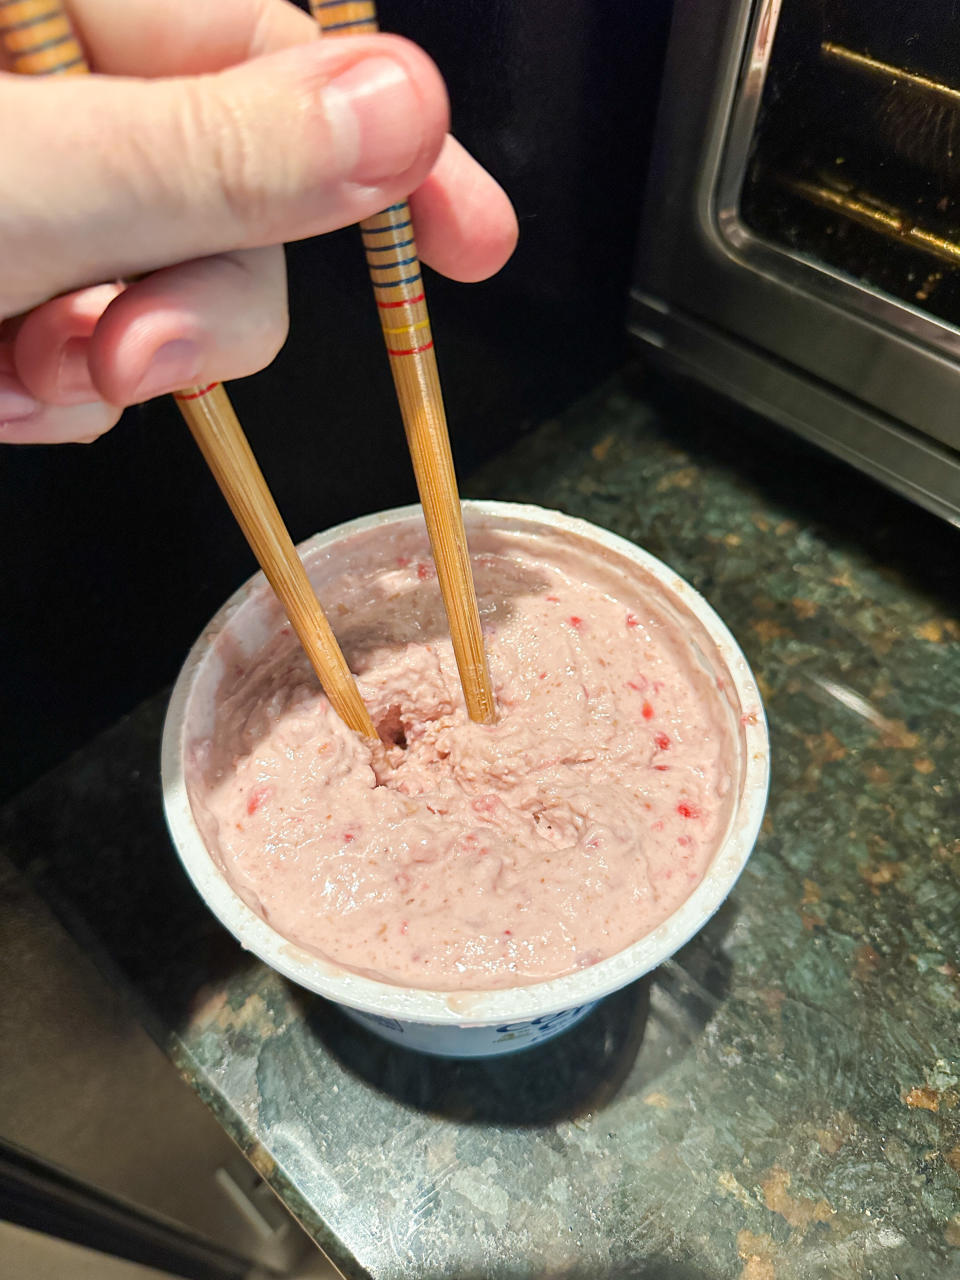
(800, 249)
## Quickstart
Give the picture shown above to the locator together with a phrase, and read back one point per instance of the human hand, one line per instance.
(216, 132)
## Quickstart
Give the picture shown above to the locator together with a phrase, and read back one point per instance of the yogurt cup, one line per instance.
(466, 1024)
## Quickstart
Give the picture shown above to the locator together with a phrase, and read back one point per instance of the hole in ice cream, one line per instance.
(391, 728)
(455, 856)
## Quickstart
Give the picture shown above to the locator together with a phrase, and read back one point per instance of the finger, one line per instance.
(50, 348)
(181, 37)
(34, 423)
(209, 320)
(286, 146)
(25, 420)
(466, 227)
(16, 402)
(51, 424)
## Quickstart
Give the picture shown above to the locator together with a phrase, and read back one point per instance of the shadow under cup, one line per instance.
(467, 1023)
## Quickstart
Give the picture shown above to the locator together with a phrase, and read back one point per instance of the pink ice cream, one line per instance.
(462, 856)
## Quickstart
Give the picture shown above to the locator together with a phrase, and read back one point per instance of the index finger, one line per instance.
(182, 37)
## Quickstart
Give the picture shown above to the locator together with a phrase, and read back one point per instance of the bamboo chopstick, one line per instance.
(227, 451)
(40, 41)
(398, 289)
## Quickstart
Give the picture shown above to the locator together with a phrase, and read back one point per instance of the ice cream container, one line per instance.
(467, 1023)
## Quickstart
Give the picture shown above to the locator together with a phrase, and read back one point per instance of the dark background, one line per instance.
(116, 554)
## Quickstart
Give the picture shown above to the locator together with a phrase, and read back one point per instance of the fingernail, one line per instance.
(174, 365)
(385, 107)
(74, 384)
(15, 404)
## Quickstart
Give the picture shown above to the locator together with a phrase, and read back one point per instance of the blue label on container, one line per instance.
(391, 1024)
(544, 1025)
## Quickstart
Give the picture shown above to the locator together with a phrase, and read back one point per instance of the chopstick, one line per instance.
(213, 424)
(39, 39)
(398, 290)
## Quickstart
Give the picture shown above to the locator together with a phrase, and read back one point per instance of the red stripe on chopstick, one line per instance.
(402, 303)
(410, 351)
(195, 395)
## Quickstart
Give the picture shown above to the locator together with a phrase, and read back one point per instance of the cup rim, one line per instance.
(507, 1004)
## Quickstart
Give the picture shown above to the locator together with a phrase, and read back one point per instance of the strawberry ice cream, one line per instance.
(458, 856)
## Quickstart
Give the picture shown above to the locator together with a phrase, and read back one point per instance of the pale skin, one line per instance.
(213, 133)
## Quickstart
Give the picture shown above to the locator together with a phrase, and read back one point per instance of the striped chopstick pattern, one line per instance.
(346, 17)
(397, 281)
(394, 267)
(388, 236)
(39, 40)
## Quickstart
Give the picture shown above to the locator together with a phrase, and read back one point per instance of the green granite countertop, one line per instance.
(781, 1100)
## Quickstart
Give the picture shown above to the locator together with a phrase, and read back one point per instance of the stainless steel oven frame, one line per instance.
(873, 379)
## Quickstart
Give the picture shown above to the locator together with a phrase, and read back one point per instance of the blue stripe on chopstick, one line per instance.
(393, 284)
(391, 226)
(385, 248)
(388, 266)
(354, 22)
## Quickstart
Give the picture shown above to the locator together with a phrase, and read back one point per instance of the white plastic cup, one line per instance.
(465, 1024)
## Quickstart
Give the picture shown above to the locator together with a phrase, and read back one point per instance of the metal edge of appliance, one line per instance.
(686, 346)
(101, 1142)
(870, 378)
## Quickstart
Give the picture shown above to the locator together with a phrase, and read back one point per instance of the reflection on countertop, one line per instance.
(782, 1099)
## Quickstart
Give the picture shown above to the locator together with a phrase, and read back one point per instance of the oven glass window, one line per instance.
(856, 155)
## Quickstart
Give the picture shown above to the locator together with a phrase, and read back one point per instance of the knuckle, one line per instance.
(263, 317)
(266, 335)
(220, 129)
(254, 286)
(272, 335)
(101, 429)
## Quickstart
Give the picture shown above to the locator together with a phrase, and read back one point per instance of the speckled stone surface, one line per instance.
(779, 1102)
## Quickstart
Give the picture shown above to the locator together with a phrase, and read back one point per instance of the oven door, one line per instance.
(798, 250)
(100, 1142)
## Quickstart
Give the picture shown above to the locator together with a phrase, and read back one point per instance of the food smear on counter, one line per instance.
(458, 856)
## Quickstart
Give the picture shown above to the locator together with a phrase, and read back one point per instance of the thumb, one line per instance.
(107, 177)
